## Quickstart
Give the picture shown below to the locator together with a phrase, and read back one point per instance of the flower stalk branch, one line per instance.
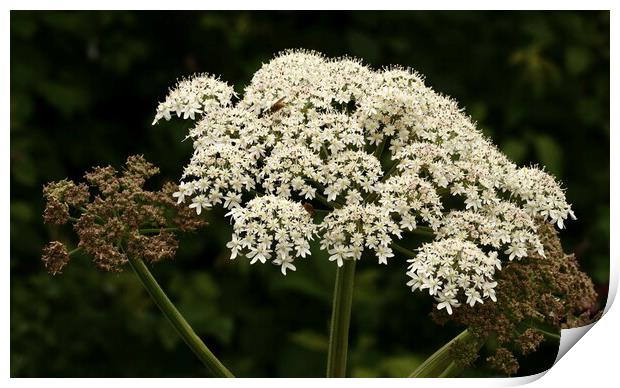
(215, 367)
(341, 318)
(402, 250)
(441, 363)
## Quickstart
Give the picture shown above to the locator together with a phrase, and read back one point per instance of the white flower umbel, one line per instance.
(271, 228)
(194, 96)
(374, 154)
(496, 226)
(349, 230)
(447, 268)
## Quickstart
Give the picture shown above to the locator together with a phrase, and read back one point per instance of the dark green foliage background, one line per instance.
(84, 87)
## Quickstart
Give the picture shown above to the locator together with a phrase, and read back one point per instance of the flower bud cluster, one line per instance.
(121, 219)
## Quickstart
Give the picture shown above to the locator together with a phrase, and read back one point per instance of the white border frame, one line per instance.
(590, 363)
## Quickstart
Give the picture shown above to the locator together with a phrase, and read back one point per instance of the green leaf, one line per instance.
(549, 153)
(515, 149)
(21, 211)
(577, 59)
(310, 340)
(400, 366)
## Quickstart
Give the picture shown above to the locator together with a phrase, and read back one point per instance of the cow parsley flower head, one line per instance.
(348, 231)
(271, 228)
(451, 266)
(378, 155)
(194, 96)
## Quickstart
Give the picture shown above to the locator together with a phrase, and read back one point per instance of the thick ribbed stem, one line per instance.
(215, 367)
(440, 363)
(341, 317)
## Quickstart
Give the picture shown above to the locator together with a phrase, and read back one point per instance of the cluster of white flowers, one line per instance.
(380, 151)
(195, 95)
(501, 225)
(350, 229)
(449, 266)
(271, 227)
(408, 195)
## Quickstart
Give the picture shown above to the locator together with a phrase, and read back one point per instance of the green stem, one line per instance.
(450, 371)
(256, 193)
(379, 150)
(391, 171)
(422, 231)
(549, 335)
(440, 363)
(373, 196)
(341, 318)
(402, 250)
(84, 210)
(324, 152)
(215, 367)
(324, 201)
(74, 251)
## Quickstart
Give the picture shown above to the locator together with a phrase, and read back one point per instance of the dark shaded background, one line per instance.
(84, 87)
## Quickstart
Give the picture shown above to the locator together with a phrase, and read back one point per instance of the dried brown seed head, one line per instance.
(111, 225)
(55, 257)
(503, 360)
(55, 212)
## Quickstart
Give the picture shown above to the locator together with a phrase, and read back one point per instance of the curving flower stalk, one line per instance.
(215, 367)
(441, 363)
(123, 224)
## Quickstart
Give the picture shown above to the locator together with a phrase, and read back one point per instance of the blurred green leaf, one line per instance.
(515, 149)
(310, 340)
(67, 98)
(21, 211)
(577, 59)
(400, 366)
(549, 153)
(24, 172)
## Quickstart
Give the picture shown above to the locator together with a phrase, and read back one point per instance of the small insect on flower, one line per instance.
(277, 105)
(309, 208)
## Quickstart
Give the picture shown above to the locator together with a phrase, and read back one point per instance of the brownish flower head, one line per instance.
(55, 257)
(503, 360)
(529, 341)
(464, 353)
(154, 248)
(532, 293)
(77, 195)
(60, 195)
(123, 218)
(56, 212)
(57, 190)
(139, 170)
